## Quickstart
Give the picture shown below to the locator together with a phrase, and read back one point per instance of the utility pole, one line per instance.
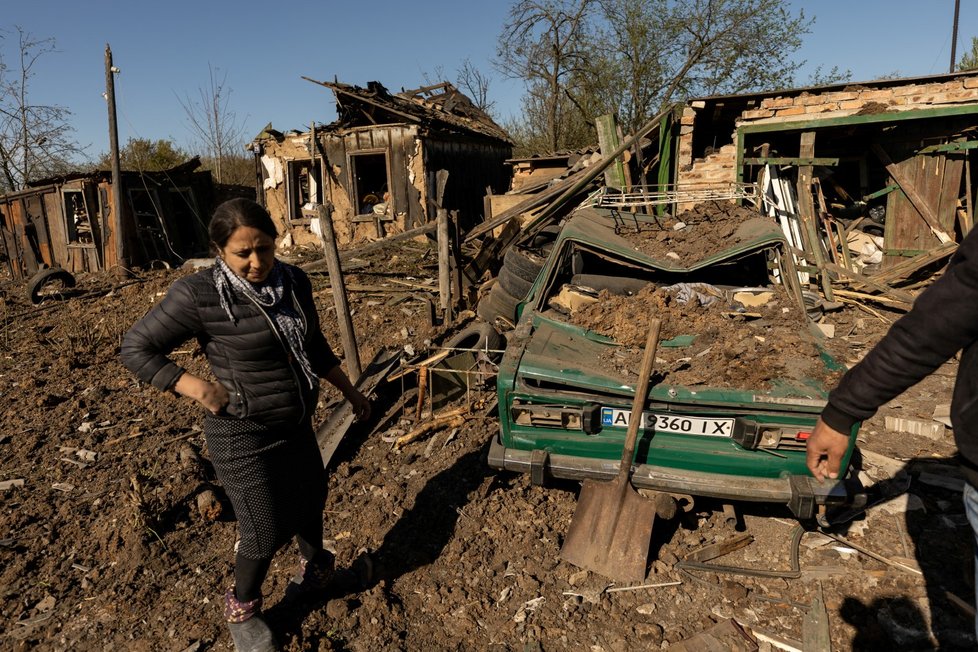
(954, 34)
(122, 257)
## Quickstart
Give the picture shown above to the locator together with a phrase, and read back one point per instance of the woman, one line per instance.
(255, 319)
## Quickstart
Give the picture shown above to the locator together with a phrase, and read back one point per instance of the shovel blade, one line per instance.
(611, 531)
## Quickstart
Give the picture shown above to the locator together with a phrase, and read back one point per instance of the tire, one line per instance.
(523, 263)
(480, 335)
(498, 304)
(512, 283)
(53, 276)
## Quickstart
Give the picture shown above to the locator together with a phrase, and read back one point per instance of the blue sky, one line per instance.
(163, 51)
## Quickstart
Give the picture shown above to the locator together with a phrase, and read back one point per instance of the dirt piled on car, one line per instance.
(695, 234)
(105, 543)
(732, 345)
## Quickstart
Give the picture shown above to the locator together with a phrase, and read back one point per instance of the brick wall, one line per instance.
(720, 166)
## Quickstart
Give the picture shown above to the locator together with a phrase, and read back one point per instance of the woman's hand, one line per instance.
(212, 395)
(360, 404)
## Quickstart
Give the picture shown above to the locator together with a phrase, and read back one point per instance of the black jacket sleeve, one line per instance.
(944, 320)
(168, 324)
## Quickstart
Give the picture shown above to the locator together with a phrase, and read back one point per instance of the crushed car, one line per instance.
(740, 376)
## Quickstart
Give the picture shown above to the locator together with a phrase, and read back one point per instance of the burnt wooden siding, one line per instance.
(473, 165)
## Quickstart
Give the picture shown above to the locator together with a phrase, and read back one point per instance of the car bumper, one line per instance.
(802, 494)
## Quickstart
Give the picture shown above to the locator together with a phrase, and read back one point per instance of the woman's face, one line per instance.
(249, 253)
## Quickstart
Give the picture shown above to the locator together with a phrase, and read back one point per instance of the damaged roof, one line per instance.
(440, 105)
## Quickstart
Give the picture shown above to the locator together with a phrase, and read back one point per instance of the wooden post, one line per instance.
(444, 265)
(806, 210)
(118, 234)
(351, 353)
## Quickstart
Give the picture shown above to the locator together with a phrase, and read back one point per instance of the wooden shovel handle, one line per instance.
(641, 391)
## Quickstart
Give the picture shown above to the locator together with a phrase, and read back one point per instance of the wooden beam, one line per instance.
(806, 209)
(907, 267)
(959, 146)
(908, 189)
(876, 118)
(791, 160)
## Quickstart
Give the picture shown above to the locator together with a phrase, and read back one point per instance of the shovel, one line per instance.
(612, 525)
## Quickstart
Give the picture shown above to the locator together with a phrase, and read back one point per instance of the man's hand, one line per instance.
(825, 450)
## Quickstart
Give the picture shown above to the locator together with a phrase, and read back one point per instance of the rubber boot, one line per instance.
(249, 631)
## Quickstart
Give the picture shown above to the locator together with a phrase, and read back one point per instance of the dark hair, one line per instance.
(239, 212)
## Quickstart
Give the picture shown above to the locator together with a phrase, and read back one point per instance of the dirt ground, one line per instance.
(103, 547)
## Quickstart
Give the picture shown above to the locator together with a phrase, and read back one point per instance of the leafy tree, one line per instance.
(969, 60)
(214, 123)
(144, 155)
(635, 57)
(35, 139)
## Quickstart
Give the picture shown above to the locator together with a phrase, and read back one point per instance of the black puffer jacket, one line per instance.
(944, 320)
(247, 356)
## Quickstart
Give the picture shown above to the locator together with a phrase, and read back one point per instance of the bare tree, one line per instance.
(474, 83)
(35, 139)
(213, 122)
(544, 43)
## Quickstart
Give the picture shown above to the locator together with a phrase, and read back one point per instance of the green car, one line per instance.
(729, 409)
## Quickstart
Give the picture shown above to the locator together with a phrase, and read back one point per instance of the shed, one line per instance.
(67, 221)
(378, 164)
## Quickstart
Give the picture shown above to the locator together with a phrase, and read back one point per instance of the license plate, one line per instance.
(671, 423)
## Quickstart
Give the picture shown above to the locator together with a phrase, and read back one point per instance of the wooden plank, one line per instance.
(607, 127)
(788, 124)
(792, 160)
(910, 191)
(714, 550)
(904, 269)
(898, 295)
(959, 146)
(806, 209)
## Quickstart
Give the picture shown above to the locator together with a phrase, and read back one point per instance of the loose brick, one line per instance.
(791, 110)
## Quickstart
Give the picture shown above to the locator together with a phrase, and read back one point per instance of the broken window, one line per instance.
(371, 184)
(78, 218)
(304, 187)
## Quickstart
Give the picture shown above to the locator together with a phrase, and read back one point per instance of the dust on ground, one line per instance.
(104, 547)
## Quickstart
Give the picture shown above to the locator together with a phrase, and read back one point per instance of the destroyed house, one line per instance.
(68, 221)
(891, 158)
(383, 163)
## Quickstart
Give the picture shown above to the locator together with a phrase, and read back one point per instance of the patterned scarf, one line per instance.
(268, 295)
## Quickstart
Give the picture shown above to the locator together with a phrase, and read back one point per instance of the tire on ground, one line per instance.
(45, 277)
(480, 335)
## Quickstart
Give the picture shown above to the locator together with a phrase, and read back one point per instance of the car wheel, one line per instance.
(49, 282)
(512, 283)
